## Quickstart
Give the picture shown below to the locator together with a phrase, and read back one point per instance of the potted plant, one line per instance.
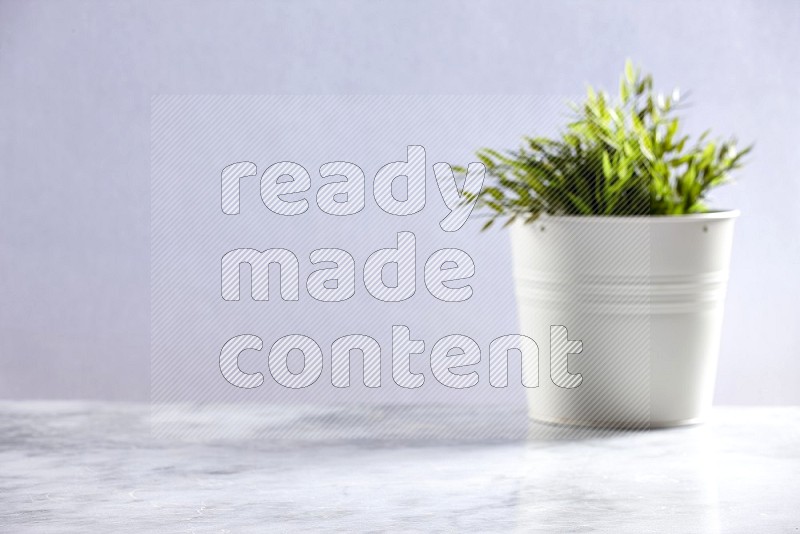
(613, 245)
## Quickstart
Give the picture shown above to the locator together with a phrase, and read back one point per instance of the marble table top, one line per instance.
(96, 467)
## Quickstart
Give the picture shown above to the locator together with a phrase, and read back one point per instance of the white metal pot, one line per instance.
(644, 295)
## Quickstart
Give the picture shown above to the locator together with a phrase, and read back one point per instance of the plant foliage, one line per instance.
(621, 157)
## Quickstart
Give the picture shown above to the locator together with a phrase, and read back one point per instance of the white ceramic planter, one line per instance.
(645, 297)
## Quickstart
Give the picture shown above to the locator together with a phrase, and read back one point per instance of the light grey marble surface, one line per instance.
(91, 467)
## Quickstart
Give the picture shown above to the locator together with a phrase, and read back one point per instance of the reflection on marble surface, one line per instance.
(90, 467)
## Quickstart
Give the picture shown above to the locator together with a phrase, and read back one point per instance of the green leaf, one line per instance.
(580, 204)
(607, 171)
(630, 73)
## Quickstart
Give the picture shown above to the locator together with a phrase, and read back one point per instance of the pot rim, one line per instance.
(693, 217)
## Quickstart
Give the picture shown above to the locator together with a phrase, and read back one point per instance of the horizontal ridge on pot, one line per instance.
(619, 294)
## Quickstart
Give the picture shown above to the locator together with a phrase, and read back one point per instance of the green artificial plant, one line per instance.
(618, 157)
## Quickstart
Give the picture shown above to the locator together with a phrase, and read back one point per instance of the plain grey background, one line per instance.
(76, 79)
